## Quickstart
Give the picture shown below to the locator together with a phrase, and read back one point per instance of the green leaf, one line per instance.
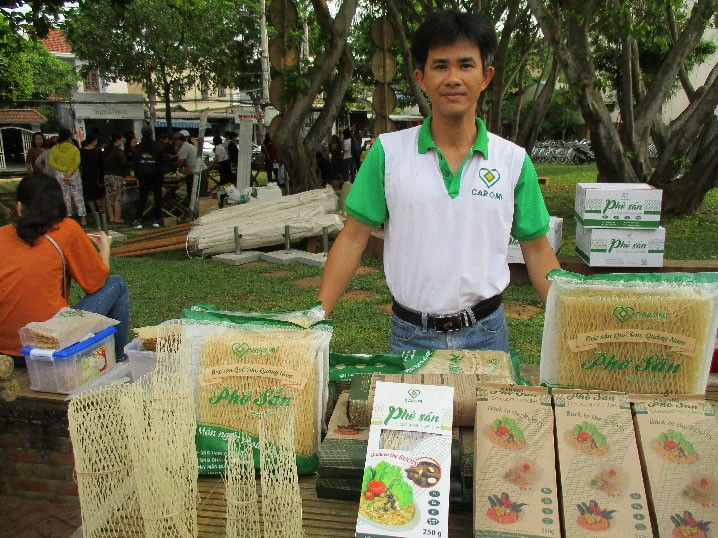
(368, 477)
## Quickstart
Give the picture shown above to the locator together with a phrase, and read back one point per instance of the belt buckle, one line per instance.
(452, 323)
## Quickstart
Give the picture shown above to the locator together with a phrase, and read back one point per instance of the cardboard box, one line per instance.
(601, 480)
(406, 486)
(617, 205)
(620, 247)
(206, 205)
(514, 490)
(555, 236)
(678, 437)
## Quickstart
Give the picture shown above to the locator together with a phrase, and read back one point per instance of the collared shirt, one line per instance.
(447, 235)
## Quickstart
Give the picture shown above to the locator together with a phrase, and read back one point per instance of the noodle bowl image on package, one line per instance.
(642, 333)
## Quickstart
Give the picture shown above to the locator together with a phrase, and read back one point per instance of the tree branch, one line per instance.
(682, 75)
(395, 16)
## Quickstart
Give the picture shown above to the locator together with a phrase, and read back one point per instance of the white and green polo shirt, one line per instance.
(447, 235)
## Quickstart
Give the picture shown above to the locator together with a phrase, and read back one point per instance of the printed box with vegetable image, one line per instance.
(678, 437)
(601, 480)
(617, 205)
(514, 477)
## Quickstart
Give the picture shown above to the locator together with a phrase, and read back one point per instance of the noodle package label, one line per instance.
(514, 476)
(637, 333)
(678, 437)
(405, 489)
(601, 481)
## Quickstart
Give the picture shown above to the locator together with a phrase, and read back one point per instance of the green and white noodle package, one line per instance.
(678, 437)
(642, 333)
(493, 366)
(248, 367)
(406, 483)
(601, 480)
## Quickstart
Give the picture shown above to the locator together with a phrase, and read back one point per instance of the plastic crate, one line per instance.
(141, 362)
(67, 369)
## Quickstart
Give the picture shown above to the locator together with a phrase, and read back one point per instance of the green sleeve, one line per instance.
(531, 219)
(366, 201)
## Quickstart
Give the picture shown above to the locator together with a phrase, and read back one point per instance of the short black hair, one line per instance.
(446, 27)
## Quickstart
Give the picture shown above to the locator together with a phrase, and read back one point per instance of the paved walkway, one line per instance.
(24, 518)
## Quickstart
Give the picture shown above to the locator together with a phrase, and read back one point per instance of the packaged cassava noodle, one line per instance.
(250, 366)
(498, 366)
(363, 390)
(641, 333)
(601, 480)
(514, 469)
(678, 437)
(65, 328)
(305, 318)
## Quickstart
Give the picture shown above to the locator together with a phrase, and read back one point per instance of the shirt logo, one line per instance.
(489, 177)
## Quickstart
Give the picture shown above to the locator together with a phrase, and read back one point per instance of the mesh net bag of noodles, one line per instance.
(135, 458)
(245, 367)
(643, 333)
(240, 486)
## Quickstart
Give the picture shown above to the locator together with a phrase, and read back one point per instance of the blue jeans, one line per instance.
(487, 333)
(111, 300)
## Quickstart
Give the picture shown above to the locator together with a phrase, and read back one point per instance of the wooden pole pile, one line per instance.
(263, 223)
(162, 240)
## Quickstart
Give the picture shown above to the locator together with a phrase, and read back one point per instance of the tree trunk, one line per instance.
(530, 126)
(167, 94)
(686, 194)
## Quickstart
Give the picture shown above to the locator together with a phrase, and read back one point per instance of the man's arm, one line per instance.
(342, 262)
(540, 259)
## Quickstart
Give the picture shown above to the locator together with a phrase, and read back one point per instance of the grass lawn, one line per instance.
(162, 284)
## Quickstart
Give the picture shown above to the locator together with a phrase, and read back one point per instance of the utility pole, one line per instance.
(265, 50)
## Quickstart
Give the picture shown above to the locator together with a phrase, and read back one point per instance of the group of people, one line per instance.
(341, 159)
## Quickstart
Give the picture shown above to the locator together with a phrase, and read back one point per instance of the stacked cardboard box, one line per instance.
(619, 225)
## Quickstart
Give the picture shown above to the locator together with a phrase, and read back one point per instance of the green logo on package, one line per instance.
(623, 313)
(240, 349)
(414, 393)
(489, 177)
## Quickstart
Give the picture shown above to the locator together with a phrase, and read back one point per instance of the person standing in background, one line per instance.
(130, 143)
(220, 161)
(349, 162)
(116, 168)
(233, 152)
(148, 168)
(65, 160)
(91, 173)
(36, 149)
(271, 159)
(186, 157)
(336, 152)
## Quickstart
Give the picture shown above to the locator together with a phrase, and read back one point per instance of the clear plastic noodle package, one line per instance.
(245, 367)
(642, 333)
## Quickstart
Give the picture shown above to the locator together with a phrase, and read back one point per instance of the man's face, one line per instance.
(178, 143)
(453, 78)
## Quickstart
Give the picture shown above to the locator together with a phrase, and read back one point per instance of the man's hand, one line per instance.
(103, 243)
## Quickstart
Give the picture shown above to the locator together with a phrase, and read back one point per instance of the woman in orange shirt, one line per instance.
(31, 273)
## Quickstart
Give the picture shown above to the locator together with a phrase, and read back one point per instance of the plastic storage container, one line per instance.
(65, 370)
(141, 362)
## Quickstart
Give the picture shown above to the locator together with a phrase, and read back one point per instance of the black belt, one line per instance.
(449, 322)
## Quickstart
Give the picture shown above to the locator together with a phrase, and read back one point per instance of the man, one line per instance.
(186, 157)
(233, 151)
(449, 194)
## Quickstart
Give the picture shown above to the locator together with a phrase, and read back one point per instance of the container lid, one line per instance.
(79, 346)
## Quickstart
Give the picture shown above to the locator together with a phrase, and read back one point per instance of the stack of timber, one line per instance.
(262, 224)
(162, 240)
